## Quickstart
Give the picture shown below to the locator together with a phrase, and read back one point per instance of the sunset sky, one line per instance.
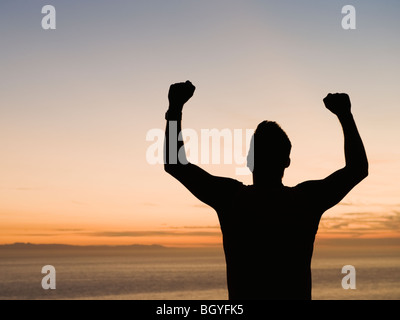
(76, 104)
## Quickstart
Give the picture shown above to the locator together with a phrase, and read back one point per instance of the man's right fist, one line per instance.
(338, 103)
(180, 93)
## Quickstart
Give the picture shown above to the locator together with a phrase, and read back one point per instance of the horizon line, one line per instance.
(331, 241)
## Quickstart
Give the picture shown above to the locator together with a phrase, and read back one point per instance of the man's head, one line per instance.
(269, 150)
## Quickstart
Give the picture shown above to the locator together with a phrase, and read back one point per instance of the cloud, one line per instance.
(37, 234)
(54, 233)
(183, 231)
(202, 206)
(150, 204)
(70, 230)
(196, 227)
(359, 242)
(361, 223)
(346, 203)
(150, 233)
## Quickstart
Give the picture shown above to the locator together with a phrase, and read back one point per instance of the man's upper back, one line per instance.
(268, 237)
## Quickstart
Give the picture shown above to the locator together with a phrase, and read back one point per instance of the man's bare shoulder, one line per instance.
(305, 188)
(306, 185)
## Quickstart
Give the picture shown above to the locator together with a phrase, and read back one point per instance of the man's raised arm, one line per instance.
(331, 190)
(210, 189)
(355, 156)
(174, 149)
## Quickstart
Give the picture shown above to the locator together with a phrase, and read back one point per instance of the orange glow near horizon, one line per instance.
(77, 104)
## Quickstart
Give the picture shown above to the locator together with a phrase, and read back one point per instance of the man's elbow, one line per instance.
(177, 170)
(360, 172)
(168, 168)
(172, 169)
(365, 171)
(363, 174)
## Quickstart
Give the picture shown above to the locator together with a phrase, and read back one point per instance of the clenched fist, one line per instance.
(180, 93)
(338, 103)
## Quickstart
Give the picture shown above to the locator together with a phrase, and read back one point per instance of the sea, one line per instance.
(159, 273)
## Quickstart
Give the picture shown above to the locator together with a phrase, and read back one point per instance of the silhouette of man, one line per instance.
(268, 229)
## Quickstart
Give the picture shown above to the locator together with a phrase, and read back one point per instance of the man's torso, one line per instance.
(268, 240)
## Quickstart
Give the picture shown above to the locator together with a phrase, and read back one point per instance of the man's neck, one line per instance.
(267, 181)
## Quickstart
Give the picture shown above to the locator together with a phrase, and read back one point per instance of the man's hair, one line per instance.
(270, 146)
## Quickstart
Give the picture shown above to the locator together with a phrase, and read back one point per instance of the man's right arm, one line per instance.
(331, 190)
(208, 188)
